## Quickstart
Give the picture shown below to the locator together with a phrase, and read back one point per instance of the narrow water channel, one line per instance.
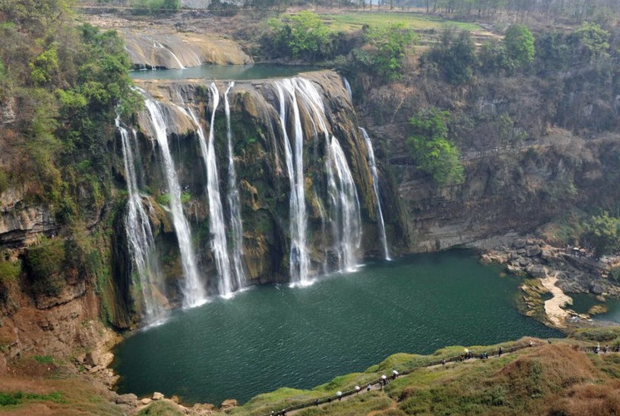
(275, 336)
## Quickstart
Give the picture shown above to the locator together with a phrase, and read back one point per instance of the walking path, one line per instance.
(378, 384)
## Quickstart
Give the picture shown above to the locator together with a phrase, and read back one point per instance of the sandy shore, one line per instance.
(554, 306)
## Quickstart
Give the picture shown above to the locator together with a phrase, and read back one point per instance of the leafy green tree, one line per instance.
(45, 66)
(603, 232)
(519, 44)
(302, 36)
(593, 42)
(431, 149)
(391, 45)
(454, 56)
(492, 58)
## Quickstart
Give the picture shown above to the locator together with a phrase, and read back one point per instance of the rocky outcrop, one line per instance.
(57, 330)
(171, 50)
(7, 112)
(22, 223)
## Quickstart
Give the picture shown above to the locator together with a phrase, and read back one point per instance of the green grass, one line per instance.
(19, 397)
(44, 359)
(348, 22)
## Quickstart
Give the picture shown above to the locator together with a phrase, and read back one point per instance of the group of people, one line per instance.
(605, 349)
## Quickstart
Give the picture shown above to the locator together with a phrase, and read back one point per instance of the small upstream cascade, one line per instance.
(375, 184)
(194, 293)
(140, 237)
(234, 202)
(158, 45)
(217, 226)
(299, 259)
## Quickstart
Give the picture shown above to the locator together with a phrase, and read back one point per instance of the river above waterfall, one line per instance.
(275, 336)
(224, 72)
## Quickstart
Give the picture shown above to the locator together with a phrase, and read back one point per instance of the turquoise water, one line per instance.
(583, 302)
(224, 72)
(274, 336)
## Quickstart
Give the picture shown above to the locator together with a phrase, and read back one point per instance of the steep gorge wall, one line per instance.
(532, 147)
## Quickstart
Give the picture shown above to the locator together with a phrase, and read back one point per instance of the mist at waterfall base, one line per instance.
(276, 336)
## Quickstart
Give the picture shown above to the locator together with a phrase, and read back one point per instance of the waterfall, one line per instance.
(375, 185)
(140, 236)
(344, 196)
(217, 226)
(347, 86)
(194, 293)
(157, 44)
(234, 203)
(299, 261)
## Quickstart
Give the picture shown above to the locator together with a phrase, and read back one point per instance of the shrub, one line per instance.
(519, 44)
(45, 266)
(431, 150)
(454, 55)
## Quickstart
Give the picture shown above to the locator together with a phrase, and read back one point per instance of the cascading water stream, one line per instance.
(140, 236)
(299, 261)
(234, 201)
(194, 293)
(347, 86)
(217, 226)
(157, 44)
(348, 208)
(375, 184)
(344, 203)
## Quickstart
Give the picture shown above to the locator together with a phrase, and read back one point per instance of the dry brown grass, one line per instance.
(590, 400)
(547, 371)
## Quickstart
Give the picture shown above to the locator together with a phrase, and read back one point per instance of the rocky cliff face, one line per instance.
(510, 189)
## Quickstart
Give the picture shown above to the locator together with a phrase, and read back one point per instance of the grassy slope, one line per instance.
(351, 21)
(67, 393)
(535, 381)
(557, 379)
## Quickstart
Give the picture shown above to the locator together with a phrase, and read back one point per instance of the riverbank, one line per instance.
(552, 274)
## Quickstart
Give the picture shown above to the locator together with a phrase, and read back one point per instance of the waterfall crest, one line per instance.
(193, 290)
(375, 185)
(140, 237)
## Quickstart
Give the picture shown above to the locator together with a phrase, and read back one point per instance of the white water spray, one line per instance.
(299, 261)
(349, 235)
(234, 201)
(216, 213)
(375, 185)
(194, 293)
(140, 236)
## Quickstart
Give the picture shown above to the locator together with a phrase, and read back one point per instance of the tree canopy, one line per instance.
(431, 149)
(519, 44)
